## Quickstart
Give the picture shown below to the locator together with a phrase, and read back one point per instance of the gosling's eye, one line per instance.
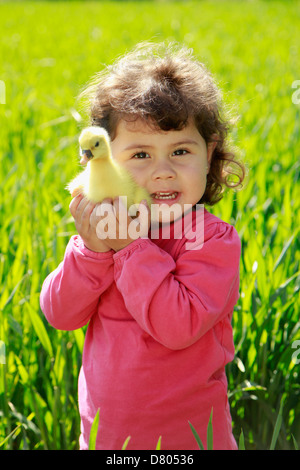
(180, 152)
(141, 155)
(97, 144)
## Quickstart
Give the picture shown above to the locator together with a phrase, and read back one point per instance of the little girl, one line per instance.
(159, 314)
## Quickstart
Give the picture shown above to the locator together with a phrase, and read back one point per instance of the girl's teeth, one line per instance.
(165, 195)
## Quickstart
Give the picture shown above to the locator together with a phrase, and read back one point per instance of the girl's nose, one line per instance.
(163, 171)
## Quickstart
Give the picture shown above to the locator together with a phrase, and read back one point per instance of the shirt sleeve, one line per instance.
(176, 302)
(70, 294)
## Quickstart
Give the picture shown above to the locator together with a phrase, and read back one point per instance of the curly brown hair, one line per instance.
(166, 86)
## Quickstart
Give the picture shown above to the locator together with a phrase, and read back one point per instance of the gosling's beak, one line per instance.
(86, 155)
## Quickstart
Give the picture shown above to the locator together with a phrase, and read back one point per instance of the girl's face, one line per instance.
(171, 165)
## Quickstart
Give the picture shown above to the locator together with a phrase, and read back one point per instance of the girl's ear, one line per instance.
(210, 150)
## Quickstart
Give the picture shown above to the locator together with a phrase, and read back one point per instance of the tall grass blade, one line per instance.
(277, 427)
(282, 288)
(124, 446)
(242, 441)
(196, 436)
(22, 370)
(158, 445)
(295, 443)
(79, 338)
(94, 432)
(40, 330)
(284, 250)
(11, 434)
(210, 432)
(38, 406)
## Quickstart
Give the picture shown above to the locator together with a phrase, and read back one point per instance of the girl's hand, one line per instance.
(107, 225)
(83, 212)
(117, 228)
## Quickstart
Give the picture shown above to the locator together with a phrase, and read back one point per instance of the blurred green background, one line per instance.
(48, 51)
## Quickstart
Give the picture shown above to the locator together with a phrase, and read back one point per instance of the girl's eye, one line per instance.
(180, 152)
(141, 155)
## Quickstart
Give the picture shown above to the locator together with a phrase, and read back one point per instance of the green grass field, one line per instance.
(48, 52)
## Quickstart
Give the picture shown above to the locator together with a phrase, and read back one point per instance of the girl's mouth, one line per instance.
(165, 196)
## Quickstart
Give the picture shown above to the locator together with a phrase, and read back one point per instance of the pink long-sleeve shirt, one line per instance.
(159, 335)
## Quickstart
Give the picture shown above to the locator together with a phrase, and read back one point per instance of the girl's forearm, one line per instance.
(71, 293)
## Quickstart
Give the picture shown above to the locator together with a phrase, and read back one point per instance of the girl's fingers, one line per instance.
(81, 209)
(86, 211)
(74, 203)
